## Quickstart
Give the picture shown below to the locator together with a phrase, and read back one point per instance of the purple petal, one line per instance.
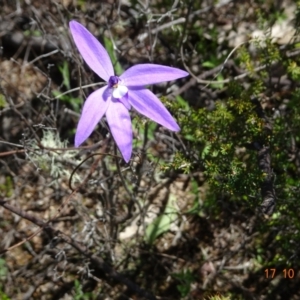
(146, 103)
(125, 102)
(92, 51)
(94, 108)
(141, 75)
(119, 122)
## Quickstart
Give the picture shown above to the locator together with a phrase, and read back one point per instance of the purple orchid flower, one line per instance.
(121, 92)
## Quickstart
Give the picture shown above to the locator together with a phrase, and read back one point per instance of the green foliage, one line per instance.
(3, 102)
(162, 223)
(267, 15)
(35, 33)
(64, 69)
(3, 273)
(245, 59)
(109, 46)
(186, 278)
(82, 4)
(80, 294)
(3, 296)
(6, 188)
(220, 143)
(3, 269)
(74, 102)
(145, 129)
(293, 69)
(179, 162)
(221, 139)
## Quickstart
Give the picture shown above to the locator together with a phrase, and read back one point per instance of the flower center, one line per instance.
(119, 91)
(113, 81)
